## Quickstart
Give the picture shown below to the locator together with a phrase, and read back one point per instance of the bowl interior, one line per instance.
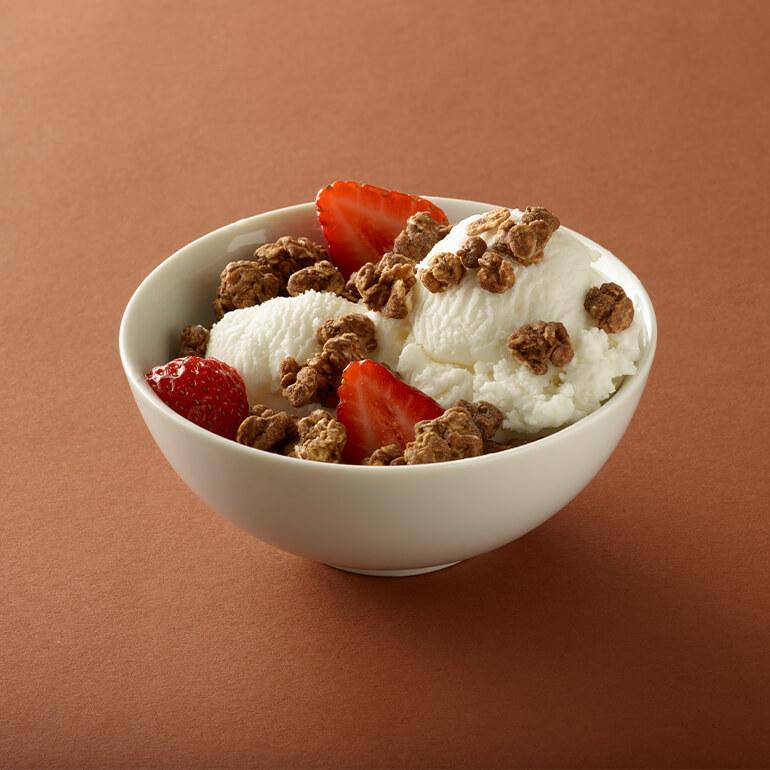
(180, 291)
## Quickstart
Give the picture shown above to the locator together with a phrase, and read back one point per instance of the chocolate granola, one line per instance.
(385, 285)
(527, 240)
(390, 454)
(539, 343)
(442, 271)
(353, 323)
(193, 341)
(421, 233)
(495, 273)
(321, 438)
(492, 220)
(322, 276)
(267, 429)
(452, 436)
(609, 306)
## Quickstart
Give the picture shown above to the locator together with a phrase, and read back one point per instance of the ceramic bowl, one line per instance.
(374, 520)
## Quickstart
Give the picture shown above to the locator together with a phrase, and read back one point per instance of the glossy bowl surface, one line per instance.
(378, 520)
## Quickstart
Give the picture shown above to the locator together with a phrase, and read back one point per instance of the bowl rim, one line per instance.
(628, 389)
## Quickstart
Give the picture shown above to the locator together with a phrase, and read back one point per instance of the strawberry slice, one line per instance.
(361, 221)
(377, 408)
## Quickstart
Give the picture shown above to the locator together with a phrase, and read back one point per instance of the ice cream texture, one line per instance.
(255, 339)
(452, 345)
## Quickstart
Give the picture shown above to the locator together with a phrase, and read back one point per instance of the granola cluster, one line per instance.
(443, 270)
(385, 285)
(321, 438)
(464, 430)
(495, 272)
(609, 306)
(487, 417)
(267, 429)
(420, 235)
(527, 240)
(539, 343)
(472, 251)
(390, 454)
(316, 381)
(353, 323)
(193, 341)
(248, 282)
(492, 220)
(318, 436)
(452, 436)
(322, 276)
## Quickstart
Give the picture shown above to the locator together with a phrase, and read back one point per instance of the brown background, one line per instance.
(140, 629)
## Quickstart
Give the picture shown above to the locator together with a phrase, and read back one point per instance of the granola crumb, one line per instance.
(350, 292)
(303, 384)
(322, 276)
(339, 351)
(321, 438)
(288, 254)
(492, 220)
(527, 240)
(609, 306)
(487, 417)
(354, 323)
(471, 252)
(390, 454)
(538, 343)
(452, 436)
(443, 270)
(193, 341)
(267, 429)
(535, 213)
(421, 233)
(309, 383)
(385, 285)
(245, 283)
(496, 272)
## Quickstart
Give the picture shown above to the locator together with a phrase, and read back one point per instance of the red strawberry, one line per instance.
(377, 408)
(208, 392)
(361, 221)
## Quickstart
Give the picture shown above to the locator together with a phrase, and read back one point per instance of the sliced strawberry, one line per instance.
(377, 408)
(361, 221)
(208, 392)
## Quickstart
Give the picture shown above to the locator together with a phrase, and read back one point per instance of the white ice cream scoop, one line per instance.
(457, 343)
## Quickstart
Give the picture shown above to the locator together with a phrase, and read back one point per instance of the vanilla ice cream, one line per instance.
(456, 347)
(452, 345)
(255, 339)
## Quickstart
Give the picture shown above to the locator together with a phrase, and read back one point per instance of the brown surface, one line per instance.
(137, 628)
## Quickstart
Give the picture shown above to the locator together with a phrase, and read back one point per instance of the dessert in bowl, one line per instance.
(550, 391)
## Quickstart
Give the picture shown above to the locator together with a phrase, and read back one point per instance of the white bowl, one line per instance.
(376, 520)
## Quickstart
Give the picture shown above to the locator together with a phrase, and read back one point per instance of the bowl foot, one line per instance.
(395, 572)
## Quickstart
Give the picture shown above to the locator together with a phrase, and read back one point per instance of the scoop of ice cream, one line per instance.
(466, 324)
(457, 344)
(255, 339)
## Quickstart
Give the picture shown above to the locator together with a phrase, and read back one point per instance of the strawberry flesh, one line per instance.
(361, 221)
(205, 391)
(377, 408)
